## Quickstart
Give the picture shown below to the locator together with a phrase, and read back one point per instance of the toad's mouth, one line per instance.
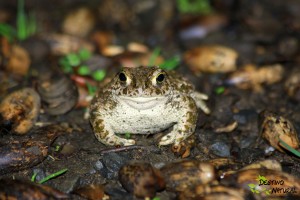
(143, 103)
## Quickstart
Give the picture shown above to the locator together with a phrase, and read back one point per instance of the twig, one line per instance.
(119, 149)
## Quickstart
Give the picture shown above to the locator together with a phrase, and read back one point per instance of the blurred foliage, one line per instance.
(99, 74)
(7, 31)
(169, 64)
(91, 89)
(26, 26)
(220, 90)
(194, 6)
(71, 60)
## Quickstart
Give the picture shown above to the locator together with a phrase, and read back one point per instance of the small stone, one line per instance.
(141, 179)
(276, 129)
(212, 59)
(109, 165)
(186, 174)
(19, 110)
(220, 149)
(84, 20)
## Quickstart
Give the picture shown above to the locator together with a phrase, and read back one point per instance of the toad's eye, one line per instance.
(160, 78)
(122, 77)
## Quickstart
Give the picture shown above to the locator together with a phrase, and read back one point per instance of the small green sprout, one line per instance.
(289, 148)
(26, 26)
(171, 63)
(57, 148)
(99, 74)
(7, 31)
(154, 56)
(33, 176)
(194, 6)
(65, 65)
(84, 70)
(54, 175)
(156, 198)
(220, 90)
(84, 54)
(91, 89)
(21, 21)
(127, 135)
(31, 25)
(73, 59)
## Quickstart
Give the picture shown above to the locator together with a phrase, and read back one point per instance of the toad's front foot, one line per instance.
(105, 134)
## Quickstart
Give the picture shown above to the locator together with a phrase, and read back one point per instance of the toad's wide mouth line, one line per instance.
(142, 103)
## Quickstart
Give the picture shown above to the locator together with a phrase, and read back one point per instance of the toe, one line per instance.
(128, 142)
(167, 139)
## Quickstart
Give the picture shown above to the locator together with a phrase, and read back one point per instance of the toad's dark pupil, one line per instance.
(160, 78)
(122, 77)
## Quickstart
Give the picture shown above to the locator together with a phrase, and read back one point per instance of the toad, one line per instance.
(146, 100)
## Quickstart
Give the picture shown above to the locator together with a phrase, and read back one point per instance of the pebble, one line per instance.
(220, 149)
(110, 164)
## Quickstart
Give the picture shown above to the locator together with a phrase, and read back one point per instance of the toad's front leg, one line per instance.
(105, 134)
(186, 124)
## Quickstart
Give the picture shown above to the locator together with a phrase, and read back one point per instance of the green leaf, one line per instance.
(156, 198)
(60, 172)
(33, 177)
(91, 89)
(154, 56)
(99, 74)
(65, 65)
(251, 185)
(7, 31)
(289, 148)
(127, 135)
(73, 59)
(84, 70)
(21, 21)
(194, 6)
(171, 63)
(32, 25)
(57, 148)
(84, 54)
(220, 90)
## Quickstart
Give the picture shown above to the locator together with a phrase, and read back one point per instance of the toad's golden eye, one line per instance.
(122, 77)
(160, 78)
